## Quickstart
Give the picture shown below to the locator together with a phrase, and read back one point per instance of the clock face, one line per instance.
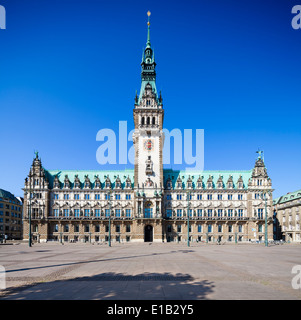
(148, 145)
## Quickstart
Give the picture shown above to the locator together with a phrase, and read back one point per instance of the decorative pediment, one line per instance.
(230, 184)
(179, 184)
(118, 183)
(220, 183)
(189, 183)
(199, 183)
(128, 183)
(240, 183)
(210, 182)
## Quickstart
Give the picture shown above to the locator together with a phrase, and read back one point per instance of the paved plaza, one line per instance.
(145, 271)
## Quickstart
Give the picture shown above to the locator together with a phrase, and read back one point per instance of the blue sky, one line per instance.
(71, 68)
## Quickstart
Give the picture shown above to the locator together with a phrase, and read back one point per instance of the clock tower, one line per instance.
(148, 136)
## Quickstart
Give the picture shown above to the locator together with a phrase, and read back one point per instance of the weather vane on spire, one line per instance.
(148, 13)
(260, 152)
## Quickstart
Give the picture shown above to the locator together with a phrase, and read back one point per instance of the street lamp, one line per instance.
(31, 195)
(188, 205)
(110, 205)
(264, 194)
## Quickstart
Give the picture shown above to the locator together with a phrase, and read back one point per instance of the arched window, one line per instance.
(154, 120)
(142, 120)
(148, 120)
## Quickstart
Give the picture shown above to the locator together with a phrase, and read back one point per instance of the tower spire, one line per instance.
(148, 44)
(148, 66)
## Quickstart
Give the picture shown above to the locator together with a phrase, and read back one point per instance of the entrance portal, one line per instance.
(148, 233)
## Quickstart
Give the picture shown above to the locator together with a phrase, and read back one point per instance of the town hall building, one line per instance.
(148, 203)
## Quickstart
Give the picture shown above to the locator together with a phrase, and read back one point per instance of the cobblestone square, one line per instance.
(145, 271)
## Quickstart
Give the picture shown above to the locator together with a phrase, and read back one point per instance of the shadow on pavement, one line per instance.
(115, 286)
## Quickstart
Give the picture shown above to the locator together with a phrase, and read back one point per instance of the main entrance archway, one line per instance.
(148, 233)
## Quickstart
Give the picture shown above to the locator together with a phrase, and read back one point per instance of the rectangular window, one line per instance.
(240, 197)
(87, 228)
(66, 196)
(168, 197)
(117, 213)
(239, 228)
(128, 228)
(97, 196)
(128, 213)
(230, 228)
(97, 212)
(199, 197)
(219, 228)
(190, 212)
(76, 213)
(107, 212)
(66, 212)
(56, 212)
(209, 212)
(117, 228)
(179, 228)
(230, 212)
(209, 197)
(56, 196)
(87, 196)
(107, 197)
(219, 197)
(107, 228)
(128, 197)
(260, 228)
(168, 213)
(200, 212)
(229, 196)
(87, 212)
(179, 197)
(148, 212)
(97, 228)
(179, 213)
(260, 213)
(240, 212)
(76, 196)
(209, 227)
(199, 228)
(219, 212)
(117, 196)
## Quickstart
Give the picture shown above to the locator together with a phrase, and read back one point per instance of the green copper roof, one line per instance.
(215, 175)
(102, 175)
(288, 197)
